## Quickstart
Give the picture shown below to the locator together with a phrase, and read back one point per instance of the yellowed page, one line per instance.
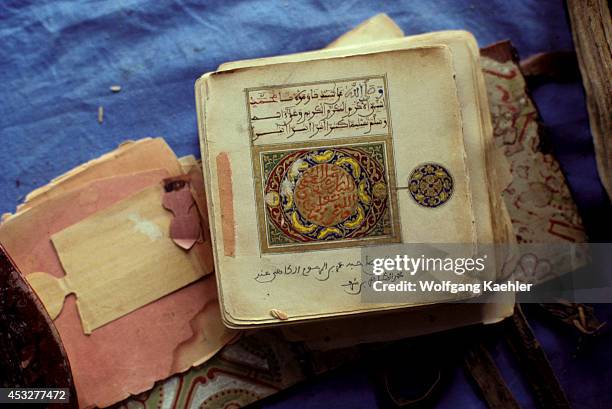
(491, 223)
(377, 28)
(381, 27)
(117, 261)
(330, 334)
(429, 127)
(372, 328)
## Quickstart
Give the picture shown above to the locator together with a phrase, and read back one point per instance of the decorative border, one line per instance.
(392, 206)
(433, 196)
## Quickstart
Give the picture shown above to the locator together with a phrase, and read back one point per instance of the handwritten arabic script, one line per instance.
(345, 108)
(359, 270)
(326, 194)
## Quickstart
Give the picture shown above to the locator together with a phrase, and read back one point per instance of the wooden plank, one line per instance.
(592, 33)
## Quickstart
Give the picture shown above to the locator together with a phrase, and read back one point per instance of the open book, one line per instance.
(310, 158)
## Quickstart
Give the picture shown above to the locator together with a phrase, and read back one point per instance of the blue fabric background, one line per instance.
(58, 59)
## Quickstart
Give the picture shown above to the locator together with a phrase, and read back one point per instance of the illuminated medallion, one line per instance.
(430, 185)
(326, 195)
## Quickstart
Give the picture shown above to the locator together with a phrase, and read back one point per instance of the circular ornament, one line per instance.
(430, 185)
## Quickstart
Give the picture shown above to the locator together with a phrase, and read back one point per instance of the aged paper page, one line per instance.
(474, 109)
(336, 333)
(377, 28)
(491, 217)
(118, 260)
(430, 127)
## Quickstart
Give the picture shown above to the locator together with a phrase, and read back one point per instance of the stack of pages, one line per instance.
(117, 250)
(311, 158)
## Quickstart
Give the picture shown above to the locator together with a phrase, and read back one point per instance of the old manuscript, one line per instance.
(311, 157)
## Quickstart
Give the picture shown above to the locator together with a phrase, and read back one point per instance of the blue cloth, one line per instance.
(59, 58)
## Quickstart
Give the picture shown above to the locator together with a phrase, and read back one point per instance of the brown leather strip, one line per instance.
(487, 378)
(501, 51)
(533, 361)
(558, 66)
